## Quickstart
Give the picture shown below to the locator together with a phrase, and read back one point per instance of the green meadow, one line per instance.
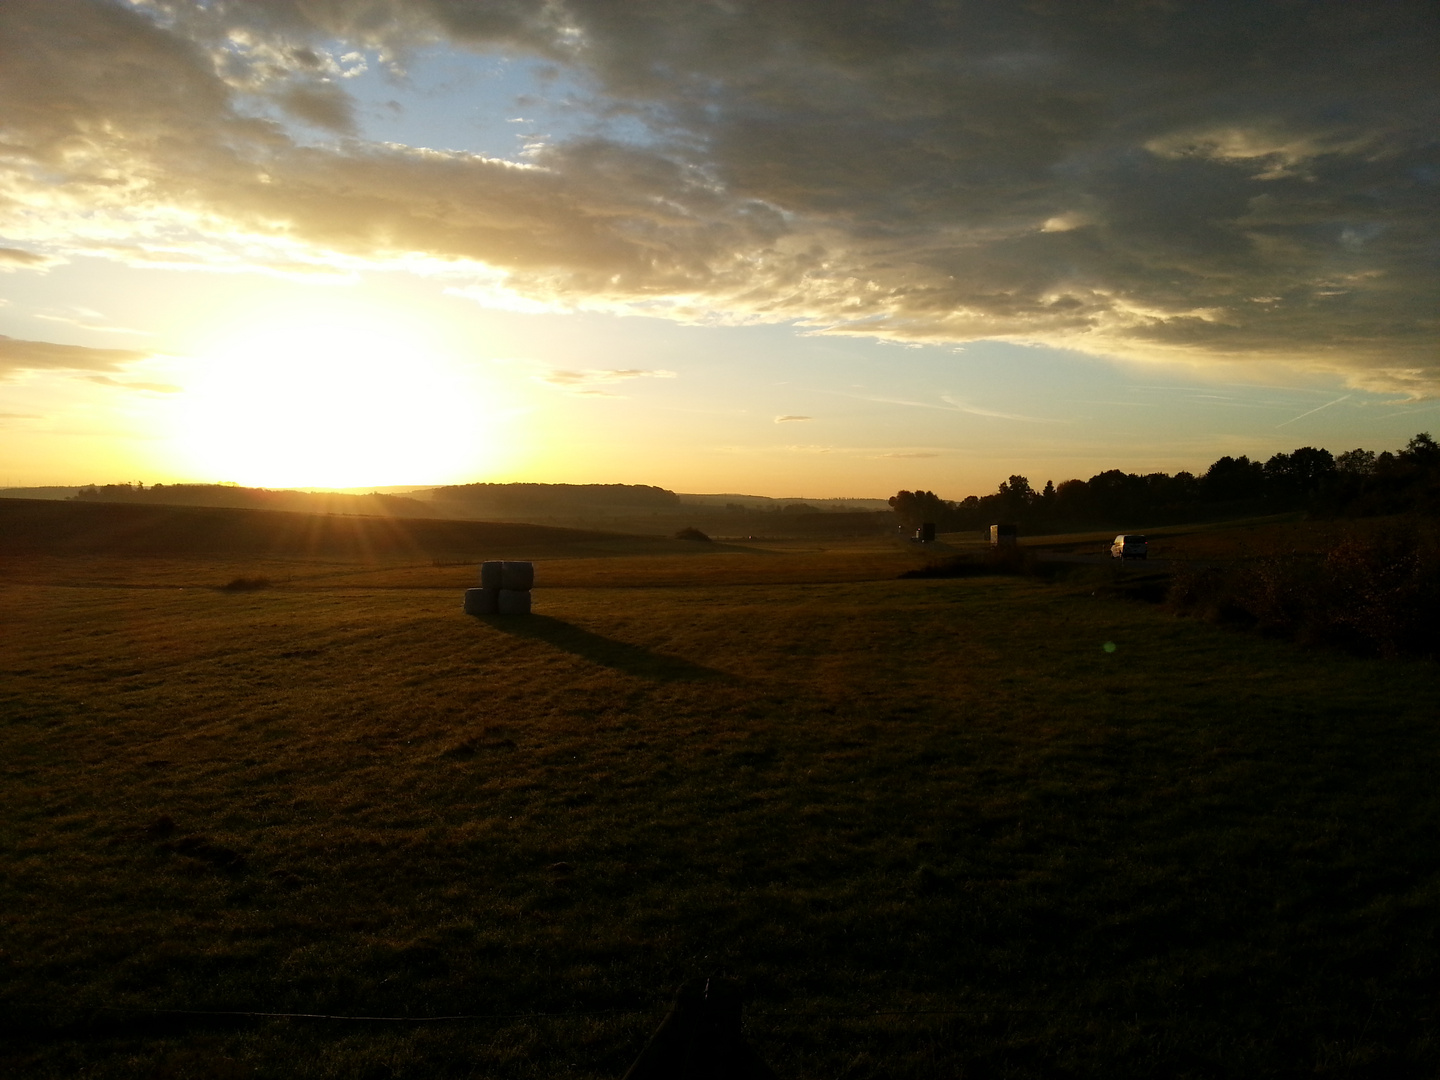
(944, 827)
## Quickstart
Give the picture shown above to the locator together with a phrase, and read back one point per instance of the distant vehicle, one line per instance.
(1129, 546)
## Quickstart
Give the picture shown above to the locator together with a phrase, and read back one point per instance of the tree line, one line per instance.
(1357, 483)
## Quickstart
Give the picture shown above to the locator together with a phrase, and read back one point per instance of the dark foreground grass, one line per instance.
(937, 827)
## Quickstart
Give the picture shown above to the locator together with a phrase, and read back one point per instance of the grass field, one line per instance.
(984, 827)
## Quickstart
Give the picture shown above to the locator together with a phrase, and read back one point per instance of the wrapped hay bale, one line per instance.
(513, 602)
(517, 576)
(504, 589)
(482, 601)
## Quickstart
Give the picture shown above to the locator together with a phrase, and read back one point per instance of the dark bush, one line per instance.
(692, 533)
(1375, 595)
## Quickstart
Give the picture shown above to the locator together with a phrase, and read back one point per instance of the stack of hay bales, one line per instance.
(504, 589)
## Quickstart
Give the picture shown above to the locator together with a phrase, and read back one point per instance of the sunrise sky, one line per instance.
(810, 247)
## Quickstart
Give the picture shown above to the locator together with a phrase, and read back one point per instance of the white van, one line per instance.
(1129, 546)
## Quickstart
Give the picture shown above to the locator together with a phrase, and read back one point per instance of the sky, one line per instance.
(825, 248)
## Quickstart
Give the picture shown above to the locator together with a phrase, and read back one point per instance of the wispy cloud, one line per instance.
(87, 319)
(975, 410)
(18, 258)
(893, 401)
(915, 454)
(132, 384)
(589, 376)
(1312, 412)
(20, 355)
(948, 403)
(792, 419)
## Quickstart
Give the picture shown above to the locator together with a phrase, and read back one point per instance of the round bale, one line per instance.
(513, 602)
(482, 601)
(518, 576)
(490, 574)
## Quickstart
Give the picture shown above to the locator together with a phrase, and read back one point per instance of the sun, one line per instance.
(336, 398)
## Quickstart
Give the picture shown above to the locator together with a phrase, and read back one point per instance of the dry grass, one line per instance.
(935, 826)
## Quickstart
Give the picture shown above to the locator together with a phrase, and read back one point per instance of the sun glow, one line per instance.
(339, 398)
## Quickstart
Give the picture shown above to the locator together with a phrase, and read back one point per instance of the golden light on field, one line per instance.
(340, 398)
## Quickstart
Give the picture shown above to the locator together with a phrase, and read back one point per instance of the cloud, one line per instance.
(589, 376)
(966, 407)
(949, 403)
(1311, 412)
(157, 388)
(917, 454)
(17, 355)
(17, 258)
(324, 105)
(87, 319)
(1228, 182)
(791, 419)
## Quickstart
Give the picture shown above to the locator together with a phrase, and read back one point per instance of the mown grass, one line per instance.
(934, 825)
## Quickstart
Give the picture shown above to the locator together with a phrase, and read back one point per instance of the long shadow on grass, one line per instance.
(620, 655)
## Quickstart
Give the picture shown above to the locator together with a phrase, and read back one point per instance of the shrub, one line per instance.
(1370, 595)
(691, 533)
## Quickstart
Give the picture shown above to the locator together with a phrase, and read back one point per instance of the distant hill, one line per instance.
(546, 500)
(38, 492)
(735, 501)
(255, 499)
(81, 527)
(636, 509)
(645, 509)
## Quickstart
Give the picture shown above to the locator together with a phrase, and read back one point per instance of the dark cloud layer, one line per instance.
(1229, 180)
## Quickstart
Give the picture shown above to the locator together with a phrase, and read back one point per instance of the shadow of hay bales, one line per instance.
(1004, 561)
(619, 655)
(245, 584)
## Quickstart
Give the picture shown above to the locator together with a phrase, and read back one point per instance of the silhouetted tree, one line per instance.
(1422, 451)
(1356, 462)
(916, 507)
(1233, 480)
(1072, 500)
(1014, 498)
(1290, 479)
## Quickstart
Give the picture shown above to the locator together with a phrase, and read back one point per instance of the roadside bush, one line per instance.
(1387, 590)
(1373, 595)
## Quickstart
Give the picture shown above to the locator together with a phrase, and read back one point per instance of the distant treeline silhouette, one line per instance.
(1358, 483)
(541, 498)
